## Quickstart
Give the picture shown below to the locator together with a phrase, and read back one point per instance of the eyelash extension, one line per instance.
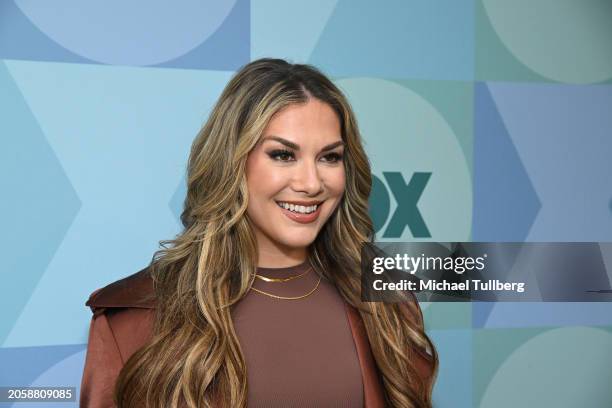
(336, 156)
(275, 154)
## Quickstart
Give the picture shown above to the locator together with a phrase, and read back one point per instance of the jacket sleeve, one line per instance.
(102, 365)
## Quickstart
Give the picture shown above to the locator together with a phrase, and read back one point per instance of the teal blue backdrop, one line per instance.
(501, 112)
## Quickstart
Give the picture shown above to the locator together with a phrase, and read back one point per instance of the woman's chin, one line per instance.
(296, 243)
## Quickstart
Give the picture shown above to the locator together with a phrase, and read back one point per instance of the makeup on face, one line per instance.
(296, 176)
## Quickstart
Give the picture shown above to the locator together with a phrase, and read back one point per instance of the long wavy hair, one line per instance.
(194, 358)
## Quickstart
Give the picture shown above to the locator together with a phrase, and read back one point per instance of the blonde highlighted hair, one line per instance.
(194, 358)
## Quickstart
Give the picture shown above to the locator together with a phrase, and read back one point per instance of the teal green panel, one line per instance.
(561, 367)
(447, 315)
(545, 41)
(455, 101)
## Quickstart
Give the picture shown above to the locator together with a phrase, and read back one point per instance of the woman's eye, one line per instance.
(333, 157)
(281, 155)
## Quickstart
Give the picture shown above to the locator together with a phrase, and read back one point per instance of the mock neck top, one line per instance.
(298, 353)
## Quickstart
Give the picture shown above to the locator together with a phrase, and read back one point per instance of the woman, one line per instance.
(257, 301)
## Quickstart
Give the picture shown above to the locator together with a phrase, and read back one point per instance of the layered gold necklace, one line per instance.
(277, 280)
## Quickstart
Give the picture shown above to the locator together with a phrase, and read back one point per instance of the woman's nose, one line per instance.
(307, 178)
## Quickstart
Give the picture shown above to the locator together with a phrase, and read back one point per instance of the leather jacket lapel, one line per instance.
(373, 396)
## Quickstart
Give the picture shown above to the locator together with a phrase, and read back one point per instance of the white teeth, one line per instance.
(298, 208)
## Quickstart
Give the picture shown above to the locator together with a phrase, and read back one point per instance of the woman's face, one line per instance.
(295, 176)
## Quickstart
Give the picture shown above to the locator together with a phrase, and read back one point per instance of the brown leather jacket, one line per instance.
(122, 322)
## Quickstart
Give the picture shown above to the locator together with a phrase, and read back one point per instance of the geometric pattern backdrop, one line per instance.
(506, 105)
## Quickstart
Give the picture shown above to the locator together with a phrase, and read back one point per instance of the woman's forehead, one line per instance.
(311, 120)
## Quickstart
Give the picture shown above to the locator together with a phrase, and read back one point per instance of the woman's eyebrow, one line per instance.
(297, 147)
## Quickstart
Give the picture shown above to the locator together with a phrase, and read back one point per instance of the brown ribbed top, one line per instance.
(299, 353)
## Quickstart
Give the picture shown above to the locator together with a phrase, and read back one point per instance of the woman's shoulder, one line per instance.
(134, 291)
(122, 323)
(123, 316)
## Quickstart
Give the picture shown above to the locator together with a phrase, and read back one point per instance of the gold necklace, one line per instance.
(267, 279)
(289, 297)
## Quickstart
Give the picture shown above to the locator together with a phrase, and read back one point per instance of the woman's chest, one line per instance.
(299, 352)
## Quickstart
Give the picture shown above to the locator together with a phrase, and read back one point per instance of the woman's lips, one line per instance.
(302, 218)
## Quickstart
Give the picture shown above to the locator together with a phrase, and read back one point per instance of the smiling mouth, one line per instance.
(301, 212)
(298, 208)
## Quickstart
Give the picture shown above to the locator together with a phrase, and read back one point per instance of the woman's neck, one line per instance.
(274, 258)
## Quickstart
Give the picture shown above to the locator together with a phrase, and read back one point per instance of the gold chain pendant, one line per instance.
(267, 279)
(289, 297)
